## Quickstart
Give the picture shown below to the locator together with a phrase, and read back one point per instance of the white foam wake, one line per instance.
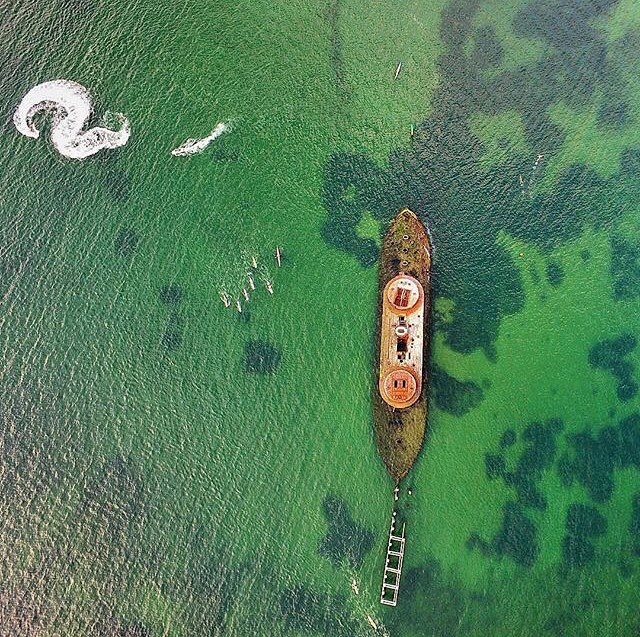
(70, 106)
(194, 146)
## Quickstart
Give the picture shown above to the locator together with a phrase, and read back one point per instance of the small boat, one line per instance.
(372, 622)
(245, 294)
(254, 263)
(269, 286)
(278, 256)
(194, 146)
(252, 285)
(225, 299)
(354, 586)
(411, 130)
(239, 306)
(395, 77)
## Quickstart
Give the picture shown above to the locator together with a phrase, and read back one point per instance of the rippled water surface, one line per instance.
(170, 468)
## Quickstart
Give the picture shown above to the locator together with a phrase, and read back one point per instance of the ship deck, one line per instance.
(400, 432)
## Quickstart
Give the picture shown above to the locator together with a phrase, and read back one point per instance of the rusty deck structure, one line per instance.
(400, 397)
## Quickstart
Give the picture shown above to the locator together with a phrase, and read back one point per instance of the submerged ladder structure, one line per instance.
(393, 565)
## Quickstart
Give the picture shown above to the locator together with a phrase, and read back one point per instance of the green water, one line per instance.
(154, 482)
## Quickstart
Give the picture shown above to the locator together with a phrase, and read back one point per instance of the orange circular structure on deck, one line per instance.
(403, 293)
(399, 387)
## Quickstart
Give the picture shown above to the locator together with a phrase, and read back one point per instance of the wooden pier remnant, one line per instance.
(393, 565)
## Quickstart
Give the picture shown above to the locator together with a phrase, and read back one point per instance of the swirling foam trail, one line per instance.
(70, 105)
(193, 146)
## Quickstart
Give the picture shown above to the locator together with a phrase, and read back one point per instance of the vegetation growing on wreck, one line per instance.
(400, 433)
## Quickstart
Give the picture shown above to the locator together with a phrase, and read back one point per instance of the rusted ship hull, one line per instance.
(400, 420)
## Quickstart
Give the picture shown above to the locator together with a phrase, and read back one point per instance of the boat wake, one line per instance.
(195, 146)
(70, 106)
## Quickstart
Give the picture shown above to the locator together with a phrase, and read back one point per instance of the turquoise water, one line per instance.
(171, 468)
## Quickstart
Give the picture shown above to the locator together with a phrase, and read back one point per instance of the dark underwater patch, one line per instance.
(332, 12)
(613, 114)
(452, 395)
(126, 242)
(173, 333)
(346, 541)
(171, 294)
(583, 519)
(517, 537)
(625, 569)
(625, 267)
(538, 453)
(611, 355)
(583, 523)
(353, 185)
(634, 524)
(555, 273)
(630, 163)
(442, 178)
(444, 612)
(561, 23)
(171, 338)
(577, 63)
(261, 357)
(508, 439)
(561, 624)
(118, 184)
(593, 458)
(495, 465)
(487, 51)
